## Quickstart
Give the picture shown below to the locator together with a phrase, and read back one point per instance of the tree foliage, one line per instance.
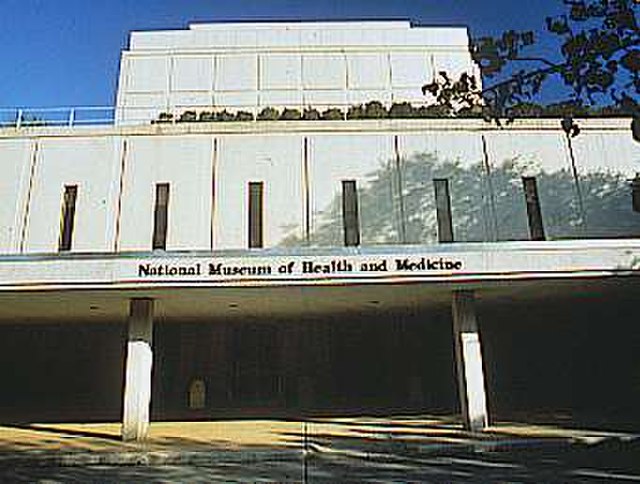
(595, 57)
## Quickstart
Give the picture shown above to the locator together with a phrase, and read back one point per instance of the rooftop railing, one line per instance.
(57, 116)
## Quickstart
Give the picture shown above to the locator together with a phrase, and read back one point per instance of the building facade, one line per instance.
(268, 267)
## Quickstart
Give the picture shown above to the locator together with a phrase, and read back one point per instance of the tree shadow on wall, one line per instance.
(485, 207)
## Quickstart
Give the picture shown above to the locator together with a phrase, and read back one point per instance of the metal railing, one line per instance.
(57, 116)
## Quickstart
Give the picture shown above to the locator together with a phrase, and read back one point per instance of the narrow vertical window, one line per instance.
(67, 217)
(536, 227)
(256, 214)
(350, 218)
(443, 209)
(160, 216)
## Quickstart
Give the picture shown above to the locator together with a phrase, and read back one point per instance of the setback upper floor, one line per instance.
(296, 65)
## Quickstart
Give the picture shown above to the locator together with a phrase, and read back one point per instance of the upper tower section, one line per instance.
(250, 66)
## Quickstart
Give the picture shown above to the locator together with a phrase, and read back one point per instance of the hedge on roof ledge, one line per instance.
(405, 110)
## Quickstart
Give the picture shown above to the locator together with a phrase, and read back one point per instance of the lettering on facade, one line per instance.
(332, 267)
(146, 270)
(231, 270)
(424, 264)
(302, 267)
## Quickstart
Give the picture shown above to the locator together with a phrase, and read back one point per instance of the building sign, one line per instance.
(473, 263)
(299, 267)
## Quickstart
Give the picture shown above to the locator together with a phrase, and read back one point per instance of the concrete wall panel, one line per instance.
(142, 108)
(182, 101)
(185, 163)
(452, 65)
(15, 159)
(192, 73)
(277, 161)
(542, 154)
(148, 74)
(280, 71)
(456, 156)
(235, 101)
(365, 159)
(237, 72)
(410, 69)
(606, 162)
(325, 99)
(368, 71)
(324, 71)
(93, 165)
(281, 99)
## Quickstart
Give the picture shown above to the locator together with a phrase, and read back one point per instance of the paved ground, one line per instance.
(409, 449)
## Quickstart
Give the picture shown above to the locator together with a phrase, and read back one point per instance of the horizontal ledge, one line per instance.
(441, 248)
(399, 126)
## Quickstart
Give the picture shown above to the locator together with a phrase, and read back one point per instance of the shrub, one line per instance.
(356, 112)
(268, 114)
(244, 116)
(225, 116)
(375, 110)
(188, 117)
(402, 110)
(164, 118)
(433, 111)
(207, 116)
(333, 114)
(311, 114)
(290, 115)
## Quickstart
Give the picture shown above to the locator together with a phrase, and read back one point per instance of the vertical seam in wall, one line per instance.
(492, 200)
(301, 84)
(303, 88)
(214, 79)
(258, 82)
(214, 165)
(305, 187)
(390, 76)
(123, 159)
(347, 88)
(434, 71)
(576, 182)
(27, 206)
(399, 182)
(169, 86)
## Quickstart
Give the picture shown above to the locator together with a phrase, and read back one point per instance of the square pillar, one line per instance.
(139, 360)
(468, 354)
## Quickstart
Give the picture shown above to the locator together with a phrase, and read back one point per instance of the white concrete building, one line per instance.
(301, 266)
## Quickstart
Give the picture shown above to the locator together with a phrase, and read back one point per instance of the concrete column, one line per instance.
(468, 352)
(137, 385)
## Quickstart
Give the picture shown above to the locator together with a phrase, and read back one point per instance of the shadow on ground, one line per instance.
(408, 449)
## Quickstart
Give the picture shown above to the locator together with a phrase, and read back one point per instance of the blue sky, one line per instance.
(66, 52)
